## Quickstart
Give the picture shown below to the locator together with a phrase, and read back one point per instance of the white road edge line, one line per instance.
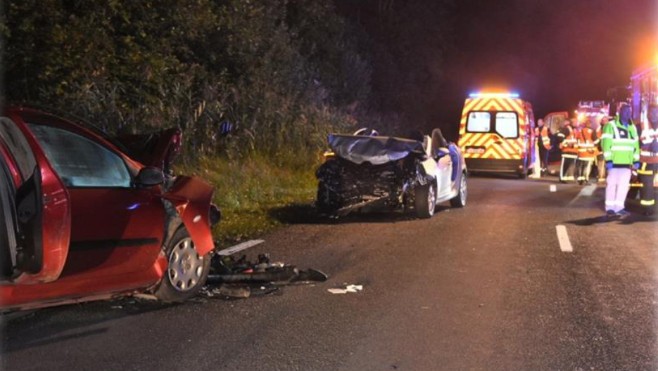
(563, 238)
(239, 247)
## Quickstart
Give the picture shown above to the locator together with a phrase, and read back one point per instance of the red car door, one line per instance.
(116, 227)
(34, 212)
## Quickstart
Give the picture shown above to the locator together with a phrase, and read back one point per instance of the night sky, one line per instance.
(552, 52)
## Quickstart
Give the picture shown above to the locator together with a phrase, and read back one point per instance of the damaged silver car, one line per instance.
(396, 173)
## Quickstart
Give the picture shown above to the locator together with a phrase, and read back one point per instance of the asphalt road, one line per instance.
(486, 287)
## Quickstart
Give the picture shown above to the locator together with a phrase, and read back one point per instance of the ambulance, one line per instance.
(496, 133)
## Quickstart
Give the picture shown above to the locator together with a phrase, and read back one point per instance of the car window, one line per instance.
(79, 161)
(507, 124)
(18, 147)
(478, 122)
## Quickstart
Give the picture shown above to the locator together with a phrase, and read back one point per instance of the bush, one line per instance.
(282, 73)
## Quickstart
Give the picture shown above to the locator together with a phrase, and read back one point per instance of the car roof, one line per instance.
(29, 114)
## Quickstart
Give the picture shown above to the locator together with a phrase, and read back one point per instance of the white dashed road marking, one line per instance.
(553, 188)
(239, 247)
(563, 238)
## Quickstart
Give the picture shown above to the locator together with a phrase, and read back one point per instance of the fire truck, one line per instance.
(643, 91)
(593, 110)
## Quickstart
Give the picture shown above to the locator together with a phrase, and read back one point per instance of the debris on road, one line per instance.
(346, 289)
(143, 296)
(239, 247)
(231, 278)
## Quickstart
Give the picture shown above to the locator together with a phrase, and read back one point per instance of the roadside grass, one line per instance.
(248, 190)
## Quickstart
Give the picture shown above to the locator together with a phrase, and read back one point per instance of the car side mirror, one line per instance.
(149, 176)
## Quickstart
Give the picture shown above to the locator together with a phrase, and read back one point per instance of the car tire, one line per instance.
(462, 193)
(523, 174)
(425, 201)
(186, 272)
(327, 201)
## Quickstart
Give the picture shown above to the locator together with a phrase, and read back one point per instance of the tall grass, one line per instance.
(248, 190)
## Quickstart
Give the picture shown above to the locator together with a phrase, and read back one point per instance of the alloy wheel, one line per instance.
(185, 265)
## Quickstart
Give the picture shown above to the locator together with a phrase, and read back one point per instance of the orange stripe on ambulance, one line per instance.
(496, 133)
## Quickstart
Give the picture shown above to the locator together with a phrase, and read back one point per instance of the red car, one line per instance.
(83, 220)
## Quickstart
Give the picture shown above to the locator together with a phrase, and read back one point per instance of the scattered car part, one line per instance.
(241, 278)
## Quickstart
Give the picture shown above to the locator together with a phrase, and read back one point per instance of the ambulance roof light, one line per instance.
(493, 95)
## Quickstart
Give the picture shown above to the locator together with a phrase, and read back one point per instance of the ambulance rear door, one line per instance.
(491, 135)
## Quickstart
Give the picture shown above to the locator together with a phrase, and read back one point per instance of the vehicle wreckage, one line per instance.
(240, 278)
(390, 172)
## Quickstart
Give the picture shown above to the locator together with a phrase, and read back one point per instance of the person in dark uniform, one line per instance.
(649, 160)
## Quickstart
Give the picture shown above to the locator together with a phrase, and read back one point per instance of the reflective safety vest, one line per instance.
(586, 147)
(620, 143)
(649, 144)
(545, 137)
(569, 145)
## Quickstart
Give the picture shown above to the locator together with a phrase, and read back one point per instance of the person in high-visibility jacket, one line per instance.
(587, 152)
(621, 151)
(569, 148)
(649, 160)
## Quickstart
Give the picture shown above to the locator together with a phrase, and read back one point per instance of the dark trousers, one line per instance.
(647, 192)
(600, 167)
(543, 155)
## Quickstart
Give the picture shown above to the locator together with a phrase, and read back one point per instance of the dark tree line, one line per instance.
(284, 73)
(409, 42)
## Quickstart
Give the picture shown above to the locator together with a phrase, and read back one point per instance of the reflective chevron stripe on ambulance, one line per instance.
(491, 145)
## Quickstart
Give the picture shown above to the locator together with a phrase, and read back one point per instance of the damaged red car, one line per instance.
(84, 217)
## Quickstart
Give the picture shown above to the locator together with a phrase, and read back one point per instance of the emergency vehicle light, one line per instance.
(493, 95)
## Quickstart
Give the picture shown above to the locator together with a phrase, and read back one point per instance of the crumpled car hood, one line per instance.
(375, 150)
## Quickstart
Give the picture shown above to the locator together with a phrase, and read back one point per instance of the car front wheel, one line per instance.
(425, 201)
(327, 201)
(187, 271)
